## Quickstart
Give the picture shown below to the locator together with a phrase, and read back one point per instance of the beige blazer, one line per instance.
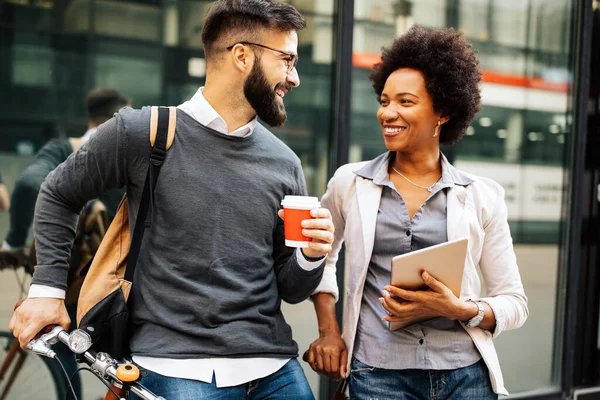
(476, 211)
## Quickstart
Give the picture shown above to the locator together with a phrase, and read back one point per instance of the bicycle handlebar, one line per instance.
(101, 364)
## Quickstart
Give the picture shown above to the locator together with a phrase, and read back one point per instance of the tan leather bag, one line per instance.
(102, 308)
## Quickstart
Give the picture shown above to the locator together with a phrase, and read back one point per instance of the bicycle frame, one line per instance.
(21, 372)
(13, 351)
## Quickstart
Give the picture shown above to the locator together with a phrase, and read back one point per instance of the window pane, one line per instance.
(139, 78)
(125, 19)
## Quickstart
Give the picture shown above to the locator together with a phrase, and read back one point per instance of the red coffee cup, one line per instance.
(295, 210)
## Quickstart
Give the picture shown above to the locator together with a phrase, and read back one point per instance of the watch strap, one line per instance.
(476, 320)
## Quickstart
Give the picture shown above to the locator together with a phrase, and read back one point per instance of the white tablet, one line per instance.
(445, 262)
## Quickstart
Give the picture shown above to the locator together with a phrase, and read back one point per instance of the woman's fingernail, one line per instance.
(385, 293)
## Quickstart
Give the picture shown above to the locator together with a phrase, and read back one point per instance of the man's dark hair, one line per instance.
(232, 21)
(449, 67)
(103, 103)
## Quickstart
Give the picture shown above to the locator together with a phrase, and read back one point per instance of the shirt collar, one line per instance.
(200, 110)
(377, 171)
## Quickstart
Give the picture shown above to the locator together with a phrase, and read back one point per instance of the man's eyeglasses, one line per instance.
(291, 60)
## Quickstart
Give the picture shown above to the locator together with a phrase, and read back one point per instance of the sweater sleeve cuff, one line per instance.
(305, 264)
(328, 283)
(36, 291)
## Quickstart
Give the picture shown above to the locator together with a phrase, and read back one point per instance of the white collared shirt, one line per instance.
(199, 109)
(227, 371)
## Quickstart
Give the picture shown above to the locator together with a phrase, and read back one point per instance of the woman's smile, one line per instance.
(391, 131)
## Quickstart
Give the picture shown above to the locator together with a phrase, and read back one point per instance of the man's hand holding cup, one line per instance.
(307, 225)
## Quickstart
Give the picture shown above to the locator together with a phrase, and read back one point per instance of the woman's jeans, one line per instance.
(287, 383)
(468, 383)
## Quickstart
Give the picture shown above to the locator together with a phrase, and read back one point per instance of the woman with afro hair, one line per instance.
(407, 199)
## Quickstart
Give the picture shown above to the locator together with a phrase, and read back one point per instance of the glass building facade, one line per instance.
(53, 51)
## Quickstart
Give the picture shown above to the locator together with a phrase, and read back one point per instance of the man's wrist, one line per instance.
(326, 319)
(311, 259)
(329, 329)
(305, 264)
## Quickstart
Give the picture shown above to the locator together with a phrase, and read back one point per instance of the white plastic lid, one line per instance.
(301, 202)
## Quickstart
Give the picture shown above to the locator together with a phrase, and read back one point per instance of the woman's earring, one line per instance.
(436, 131)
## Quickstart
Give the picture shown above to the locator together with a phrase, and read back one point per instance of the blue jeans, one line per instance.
(468, 383)
(287, 383)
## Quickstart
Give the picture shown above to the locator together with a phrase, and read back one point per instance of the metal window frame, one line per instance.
(571, 281)
(339, 145)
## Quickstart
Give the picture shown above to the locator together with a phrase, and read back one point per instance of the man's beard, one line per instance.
(263, 98)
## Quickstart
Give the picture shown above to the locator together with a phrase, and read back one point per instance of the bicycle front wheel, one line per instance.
(37, 378)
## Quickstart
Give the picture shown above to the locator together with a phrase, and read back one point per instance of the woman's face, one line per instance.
(406, 115)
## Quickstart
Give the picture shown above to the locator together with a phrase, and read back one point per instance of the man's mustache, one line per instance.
(284, 85)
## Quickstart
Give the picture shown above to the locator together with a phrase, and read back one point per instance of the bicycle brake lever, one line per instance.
(38, 346)
(41, 345)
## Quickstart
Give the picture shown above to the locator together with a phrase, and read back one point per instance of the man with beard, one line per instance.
(209, 281)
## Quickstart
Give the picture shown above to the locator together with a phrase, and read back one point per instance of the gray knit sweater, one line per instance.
(213, 268)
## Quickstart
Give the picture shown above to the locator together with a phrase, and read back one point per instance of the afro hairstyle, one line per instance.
(450, 70)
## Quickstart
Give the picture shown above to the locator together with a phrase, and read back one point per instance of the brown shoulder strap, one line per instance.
(154, 125)
(162, 133)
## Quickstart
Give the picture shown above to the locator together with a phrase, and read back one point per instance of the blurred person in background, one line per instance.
(4, 200)
(407, 199)
(101, 105)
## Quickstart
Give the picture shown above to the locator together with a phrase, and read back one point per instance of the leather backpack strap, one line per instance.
(162, 133)
(154, 113)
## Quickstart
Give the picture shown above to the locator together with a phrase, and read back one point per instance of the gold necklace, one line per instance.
(428, 188)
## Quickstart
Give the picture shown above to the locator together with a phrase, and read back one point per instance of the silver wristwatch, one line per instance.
(476, 320)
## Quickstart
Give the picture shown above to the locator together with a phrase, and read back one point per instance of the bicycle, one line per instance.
(19, 368)
(39, 373)
(109, 371)
(25, 375)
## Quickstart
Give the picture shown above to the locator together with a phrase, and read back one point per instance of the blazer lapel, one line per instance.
(456, 199)
(369, 196)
